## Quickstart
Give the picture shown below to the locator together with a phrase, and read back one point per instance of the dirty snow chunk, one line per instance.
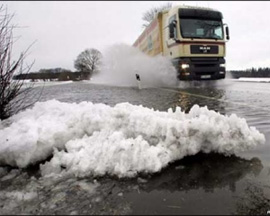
(122, 140)
(74, 213)
(180, 167)
(87, 186)
(141, 180)
(21, 196)
(3, 171)
(10, 175)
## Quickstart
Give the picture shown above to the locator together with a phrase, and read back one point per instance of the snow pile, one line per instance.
(96, 139)
(254, 79)
(154, 71)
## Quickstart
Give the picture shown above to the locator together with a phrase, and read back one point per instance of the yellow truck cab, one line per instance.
(194, 39)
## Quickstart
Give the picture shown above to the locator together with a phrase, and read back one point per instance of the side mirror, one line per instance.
(227, 33)
(172, 26)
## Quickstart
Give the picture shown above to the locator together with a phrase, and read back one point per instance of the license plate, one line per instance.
(205, 76)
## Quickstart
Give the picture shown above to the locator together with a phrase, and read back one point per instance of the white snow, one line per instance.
(96, 139)
(253, 79)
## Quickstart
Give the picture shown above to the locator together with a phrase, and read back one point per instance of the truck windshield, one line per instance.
(201, 28)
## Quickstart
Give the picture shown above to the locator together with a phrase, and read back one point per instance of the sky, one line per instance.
(61, 30)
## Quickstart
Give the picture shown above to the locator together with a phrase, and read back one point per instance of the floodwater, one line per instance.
(200, 184)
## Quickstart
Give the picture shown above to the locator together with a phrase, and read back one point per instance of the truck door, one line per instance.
(171, 40)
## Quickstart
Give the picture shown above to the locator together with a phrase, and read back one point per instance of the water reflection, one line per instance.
(156, 98)
(206, 171)
(207, 181)
(210, 97)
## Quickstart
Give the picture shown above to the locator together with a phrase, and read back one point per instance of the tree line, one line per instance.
(59, 74)
(253, 72)
(87, 63)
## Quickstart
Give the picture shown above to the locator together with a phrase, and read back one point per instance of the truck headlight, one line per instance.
(184, 66)
(222, 65)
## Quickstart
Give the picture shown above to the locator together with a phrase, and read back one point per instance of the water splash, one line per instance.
(122, 62)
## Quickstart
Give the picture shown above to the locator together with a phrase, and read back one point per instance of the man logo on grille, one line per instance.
(204, 49)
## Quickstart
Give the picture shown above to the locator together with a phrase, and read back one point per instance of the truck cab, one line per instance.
(194, 38)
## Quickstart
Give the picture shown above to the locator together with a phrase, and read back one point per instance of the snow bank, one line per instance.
(253, 79)
(96, 139)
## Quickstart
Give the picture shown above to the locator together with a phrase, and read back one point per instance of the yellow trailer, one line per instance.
(193, 37)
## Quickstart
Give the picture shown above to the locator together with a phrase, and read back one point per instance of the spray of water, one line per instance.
(122, 62)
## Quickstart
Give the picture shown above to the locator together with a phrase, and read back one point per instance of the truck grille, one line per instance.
(201, 49)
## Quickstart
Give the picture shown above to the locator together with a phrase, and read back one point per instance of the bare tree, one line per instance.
(150, 14)
(12, 95)
(88, 61)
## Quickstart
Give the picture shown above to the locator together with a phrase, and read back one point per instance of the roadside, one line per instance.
(170, 191)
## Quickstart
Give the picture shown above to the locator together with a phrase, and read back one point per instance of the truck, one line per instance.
(192, 37)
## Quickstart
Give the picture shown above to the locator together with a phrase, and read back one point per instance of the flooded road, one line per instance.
(200, 184)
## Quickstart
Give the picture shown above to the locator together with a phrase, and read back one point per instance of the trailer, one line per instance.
(194, 38)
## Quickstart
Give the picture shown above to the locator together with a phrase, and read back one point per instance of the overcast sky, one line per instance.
(64, 29)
